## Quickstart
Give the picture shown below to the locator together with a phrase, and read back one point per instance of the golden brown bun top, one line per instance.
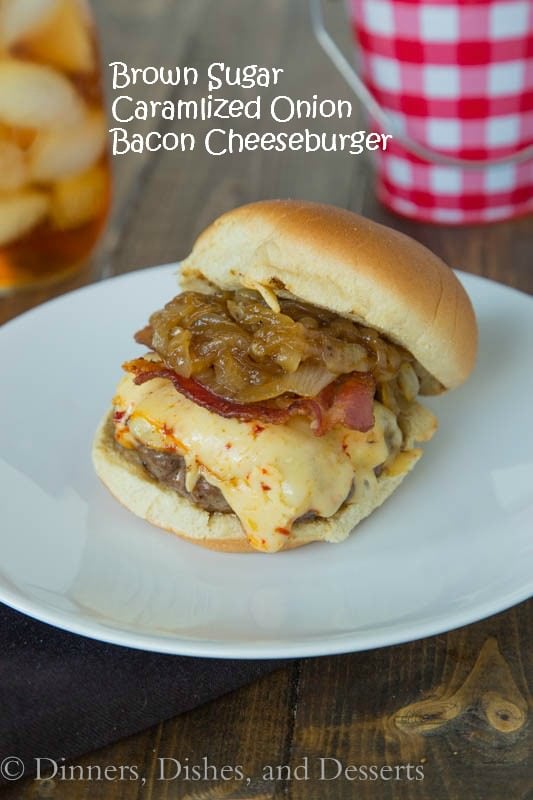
(349, 264)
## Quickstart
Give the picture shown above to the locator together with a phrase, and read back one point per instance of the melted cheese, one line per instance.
(269, 474)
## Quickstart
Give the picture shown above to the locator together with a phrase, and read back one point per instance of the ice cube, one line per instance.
(20, 212)
(35, 96)
(80, 199)
(61, 152)
(13, 168)
(65, 40)
(19, 18)
(22, 137)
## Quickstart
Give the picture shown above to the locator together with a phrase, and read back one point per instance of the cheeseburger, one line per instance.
(278, 401)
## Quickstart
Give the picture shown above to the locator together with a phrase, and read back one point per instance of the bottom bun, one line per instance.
(122, 473)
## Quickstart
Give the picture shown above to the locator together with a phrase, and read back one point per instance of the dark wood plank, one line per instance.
(454, 705)
(501, 251)
(158, 33)
(182, 193)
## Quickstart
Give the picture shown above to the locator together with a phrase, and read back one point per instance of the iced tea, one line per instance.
(54, 168)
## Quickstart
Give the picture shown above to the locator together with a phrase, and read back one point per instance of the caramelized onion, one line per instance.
(236, 345)
(408, 382)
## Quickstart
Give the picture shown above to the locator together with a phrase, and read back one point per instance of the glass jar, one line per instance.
(54, 167)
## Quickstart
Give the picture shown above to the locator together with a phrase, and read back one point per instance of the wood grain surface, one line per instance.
(455, 706)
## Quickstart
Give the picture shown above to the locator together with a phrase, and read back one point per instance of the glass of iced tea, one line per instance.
(54, 168)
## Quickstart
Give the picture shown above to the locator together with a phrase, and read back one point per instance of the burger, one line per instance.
(277, 401)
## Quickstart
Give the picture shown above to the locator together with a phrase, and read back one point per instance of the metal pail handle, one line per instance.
(353, 80)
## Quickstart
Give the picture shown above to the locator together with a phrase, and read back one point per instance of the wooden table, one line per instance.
(455, 704)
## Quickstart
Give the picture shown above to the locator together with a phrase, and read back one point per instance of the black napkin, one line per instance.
(62, 695)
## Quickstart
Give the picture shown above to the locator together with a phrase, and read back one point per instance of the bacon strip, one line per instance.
(347, 401)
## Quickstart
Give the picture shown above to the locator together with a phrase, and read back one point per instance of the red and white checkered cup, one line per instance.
(453, 82)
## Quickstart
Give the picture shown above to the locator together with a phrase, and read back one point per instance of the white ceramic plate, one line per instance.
(452, 545)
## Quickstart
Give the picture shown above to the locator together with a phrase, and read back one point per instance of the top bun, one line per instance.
(340, 261)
